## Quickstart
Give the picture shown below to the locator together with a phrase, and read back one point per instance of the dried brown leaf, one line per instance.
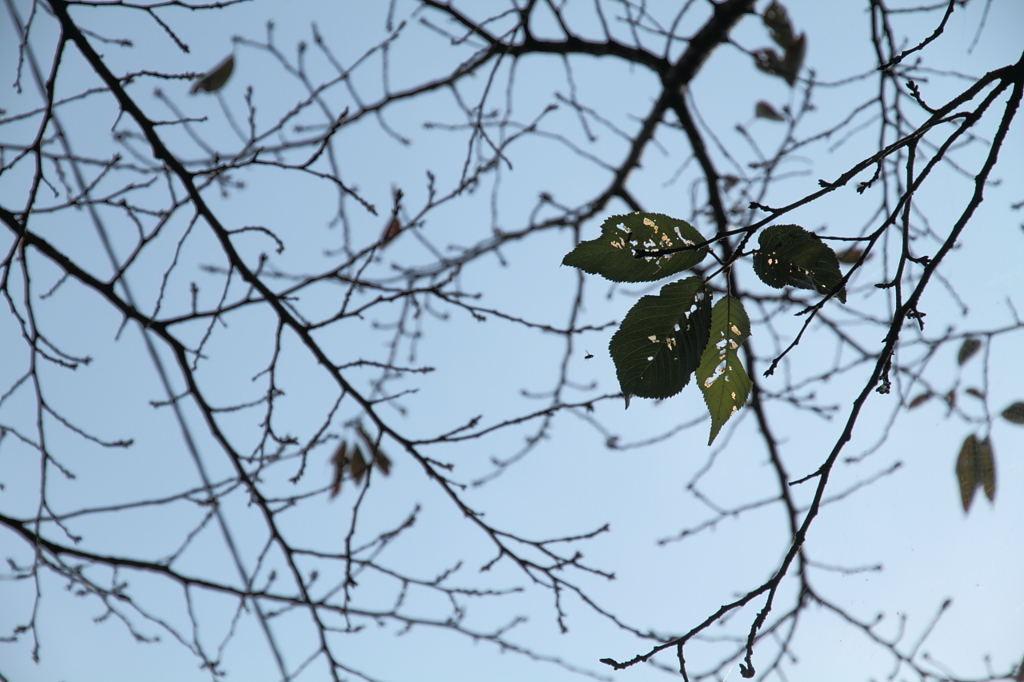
(986, 473)
(765, 110)
(382, 462)
(339, 461)
(966, 470)
(1014, 413)
(215, 79)
(919, 400)
(967, 350)
(391, 230)
(358, 465)
(850, 255)
(794, 59)
(378, 457)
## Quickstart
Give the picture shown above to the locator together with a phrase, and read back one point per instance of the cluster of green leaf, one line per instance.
(664, 339)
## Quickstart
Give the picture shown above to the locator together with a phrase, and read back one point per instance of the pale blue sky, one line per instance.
(910, 522)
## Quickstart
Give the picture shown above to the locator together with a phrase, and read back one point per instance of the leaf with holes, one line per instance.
(786, 67)
(967, 350)
(659, 344)
(720, 375)
(791, 255)
(776, 19)
(1014, 413)
(611, 254)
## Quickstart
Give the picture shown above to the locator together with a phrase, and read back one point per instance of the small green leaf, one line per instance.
(659, 343)
(966, 471)
(967, 350)
(720, 375)
(1014, 413)
(611, 254)
(789, 254)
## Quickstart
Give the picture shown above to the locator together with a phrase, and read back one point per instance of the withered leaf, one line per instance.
(966, 470)
(967, 350)
(850, 255)
(382, 462)
(339, 461)
(358, 465)
(986, 474)
(919, 400)
(1014, 413)
(765, 110)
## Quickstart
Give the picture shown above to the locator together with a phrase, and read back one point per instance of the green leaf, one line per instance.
(789, 254)
(966, 471)
(659, 343)
(611, 254)
(1014, 413)
(720, 375)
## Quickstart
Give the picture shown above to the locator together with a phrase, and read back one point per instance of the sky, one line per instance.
(910, 521)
